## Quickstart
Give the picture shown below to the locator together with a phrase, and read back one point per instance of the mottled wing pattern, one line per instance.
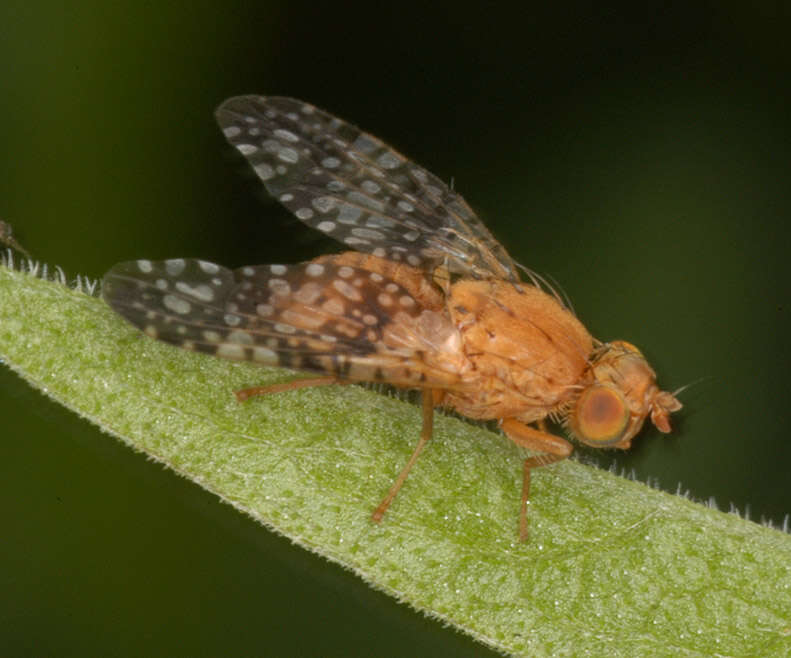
(321, 317)
(356, 189)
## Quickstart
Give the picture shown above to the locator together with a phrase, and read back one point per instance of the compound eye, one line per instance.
(626, 346)
(600, 416)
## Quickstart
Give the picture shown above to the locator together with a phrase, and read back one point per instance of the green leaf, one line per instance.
(612, 566)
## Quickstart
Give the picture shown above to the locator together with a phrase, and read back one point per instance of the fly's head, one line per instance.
(610, 411)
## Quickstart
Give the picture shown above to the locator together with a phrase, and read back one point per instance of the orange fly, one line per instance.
(428, 300)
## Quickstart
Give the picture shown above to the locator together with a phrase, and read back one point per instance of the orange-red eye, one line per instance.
(626, 346)
(600, 416)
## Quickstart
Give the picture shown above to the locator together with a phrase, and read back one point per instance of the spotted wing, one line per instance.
(356, 189)
(321, 317)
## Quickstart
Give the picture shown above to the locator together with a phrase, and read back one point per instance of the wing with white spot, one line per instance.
(353, 187)
(321, 317)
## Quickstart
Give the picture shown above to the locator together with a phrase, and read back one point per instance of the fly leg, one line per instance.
(430, 399)
(7, 238)
(247, 393)
(554, 449)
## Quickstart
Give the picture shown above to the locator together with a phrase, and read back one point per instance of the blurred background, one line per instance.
(639, 156)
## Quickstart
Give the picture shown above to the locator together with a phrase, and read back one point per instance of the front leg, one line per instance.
(554, 448)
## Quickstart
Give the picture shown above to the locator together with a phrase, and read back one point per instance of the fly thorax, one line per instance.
(522, 337)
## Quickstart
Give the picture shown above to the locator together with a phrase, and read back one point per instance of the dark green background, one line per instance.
(639, 156)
